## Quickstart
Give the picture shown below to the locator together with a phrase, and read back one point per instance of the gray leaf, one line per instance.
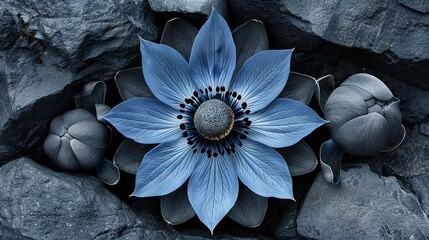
(330, 161)
(299, 87)
(101, 110)
(108, 172)
(249, 38)
(92, 93)
(180, 35)
(130, 154)
(300, 158)
(175, 207)
(131, 84)
(249, 209)
(363, 136)
(324, 87)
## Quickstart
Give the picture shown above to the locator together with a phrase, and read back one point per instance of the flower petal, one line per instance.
(250, 208)
(57, 126)
(66, 158)
(166, 73)
(52, 146)
(331, 155)
(91, 133)
(363, 136)
(175, 207)
(108, 172)
(370, 84)
(324, 87)
(179, 34)
(283, 123)
(393, 116)
(77, 115)
(263, 170)
(213, 54)
(343, 105)
(88, 157)
(131, 83)
(164, 169)
(249, 39)
(145, 120)
(92, 93)
(213, 189)
(299, 87)
(130, 154)
(262, 78)
(300, 158)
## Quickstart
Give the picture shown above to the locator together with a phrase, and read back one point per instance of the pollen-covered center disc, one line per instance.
(214, 119)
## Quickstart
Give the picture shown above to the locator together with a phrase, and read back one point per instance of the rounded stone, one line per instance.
(214, 119)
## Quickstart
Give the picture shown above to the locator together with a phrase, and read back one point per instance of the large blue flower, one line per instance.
(215, 127)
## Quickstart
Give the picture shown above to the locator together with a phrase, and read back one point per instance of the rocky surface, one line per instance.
(190, 6)
(389, 36)
(39, 203)
(54, 47)
(363, 206)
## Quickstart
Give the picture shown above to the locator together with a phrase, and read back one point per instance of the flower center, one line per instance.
(214, 119)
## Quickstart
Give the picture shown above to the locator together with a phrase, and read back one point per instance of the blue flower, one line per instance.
(216, 128)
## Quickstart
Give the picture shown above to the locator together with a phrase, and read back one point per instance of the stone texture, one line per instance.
(384, 35)
(411, 158)
(190, 6)
(363, 206)
(61, 46)
(38, 203)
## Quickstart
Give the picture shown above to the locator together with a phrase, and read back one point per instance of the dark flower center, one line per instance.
(214, 119)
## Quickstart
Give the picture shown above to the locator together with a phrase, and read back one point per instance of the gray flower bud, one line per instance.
(364, 117)
(76, 140)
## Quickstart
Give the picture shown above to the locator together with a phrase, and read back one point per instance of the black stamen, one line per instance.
(222, 88)
(244, 105)
(190, 142)
(182, 105)
(215, 154)
(245, 119)
(247, 112)
(217, 89)
(185, 134)
(201, 91)
(195, 150)
(203, 150)
(239, 97)
(188, 100)
(179, 116)
(182, 111)
(210, 88)
(182, 126)
(234, 94)
(248, 123)
(227, 94)
(242, 137)
(209, 153)
(195, 94)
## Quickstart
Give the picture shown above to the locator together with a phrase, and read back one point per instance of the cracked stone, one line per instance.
(62, 45)
(363, 206)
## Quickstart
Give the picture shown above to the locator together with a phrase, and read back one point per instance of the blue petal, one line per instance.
(213, 189)
(263, 170)
(283, 123)
(262, 78)
(164, 169)
(166, 73)
(145, 120)
(213, 54)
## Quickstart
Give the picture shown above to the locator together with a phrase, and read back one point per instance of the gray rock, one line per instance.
(384, 35)
(363, 206)
(38, 203)
(411, 158)
(190, 6)
(62, 45)
(9, 30)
